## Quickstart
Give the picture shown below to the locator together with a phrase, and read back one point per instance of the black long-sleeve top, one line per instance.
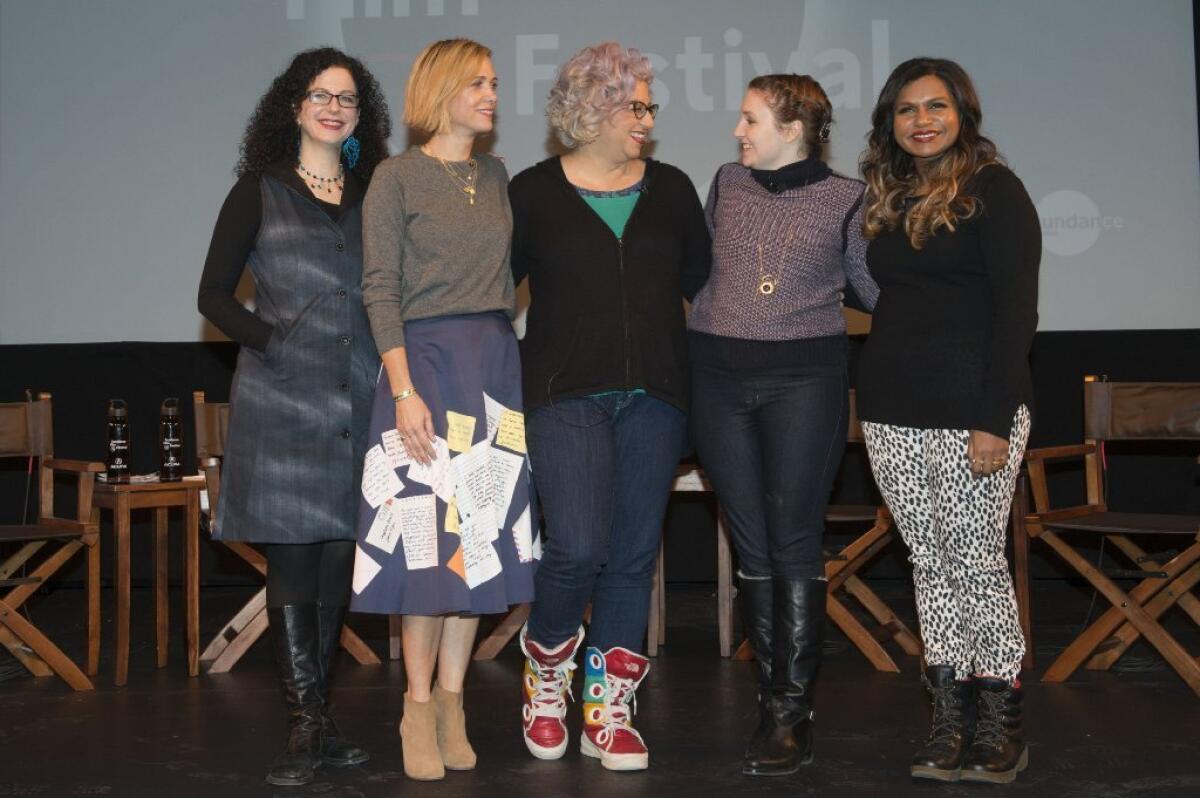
(606, 313)
(950, 336)
(232, 241)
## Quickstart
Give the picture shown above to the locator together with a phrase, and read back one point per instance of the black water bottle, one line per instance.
(170, 442)
(117, 461)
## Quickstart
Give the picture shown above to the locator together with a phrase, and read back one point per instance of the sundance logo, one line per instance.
(1072, 223)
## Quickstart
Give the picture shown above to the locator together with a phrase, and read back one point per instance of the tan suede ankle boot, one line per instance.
(419, 741)
(452, 742)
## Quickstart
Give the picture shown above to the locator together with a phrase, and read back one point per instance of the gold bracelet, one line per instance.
(407, 392)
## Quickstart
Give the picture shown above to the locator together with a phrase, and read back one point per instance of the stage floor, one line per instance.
(1129, 732)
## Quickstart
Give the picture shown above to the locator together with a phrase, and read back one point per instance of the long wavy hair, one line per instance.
(891, 173)
(272, 134)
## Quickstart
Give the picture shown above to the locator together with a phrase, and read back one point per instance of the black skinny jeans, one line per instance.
(771, 440)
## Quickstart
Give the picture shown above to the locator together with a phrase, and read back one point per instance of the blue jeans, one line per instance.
(771, 441)
(602, 467)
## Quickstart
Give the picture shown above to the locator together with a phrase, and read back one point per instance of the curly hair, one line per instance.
(587, 89)
(798, 98)
(891, 173)
(272, 134)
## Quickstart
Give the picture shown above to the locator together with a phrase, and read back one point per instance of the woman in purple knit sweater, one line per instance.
(770, 393)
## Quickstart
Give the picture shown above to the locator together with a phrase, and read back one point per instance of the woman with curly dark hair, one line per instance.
(944, 396)
(301, 394)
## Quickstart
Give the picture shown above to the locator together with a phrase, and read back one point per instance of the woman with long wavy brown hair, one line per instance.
(944, 394)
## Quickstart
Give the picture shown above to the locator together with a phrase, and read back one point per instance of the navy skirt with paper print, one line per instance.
(461, 535)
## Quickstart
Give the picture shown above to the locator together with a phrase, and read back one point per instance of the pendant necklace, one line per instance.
(766, 282)
(465, 184)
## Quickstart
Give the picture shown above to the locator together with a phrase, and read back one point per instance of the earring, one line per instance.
(351, 149)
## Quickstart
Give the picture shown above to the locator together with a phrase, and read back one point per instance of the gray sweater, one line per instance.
(427, 251)
(808, 238)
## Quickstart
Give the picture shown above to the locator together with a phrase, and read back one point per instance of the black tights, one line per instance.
(308, 573)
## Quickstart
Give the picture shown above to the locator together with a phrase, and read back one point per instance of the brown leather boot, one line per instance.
(418, 741)
(452, 741)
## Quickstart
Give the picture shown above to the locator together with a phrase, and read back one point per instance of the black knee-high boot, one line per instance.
(335, 749)
(798, 607)
(293, 631)
(755, 597)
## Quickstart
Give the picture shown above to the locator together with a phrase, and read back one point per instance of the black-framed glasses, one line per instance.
(640, 109)
(322, 97)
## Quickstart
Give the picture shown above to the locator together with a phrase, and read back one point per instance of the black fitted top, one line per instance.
(950, 336)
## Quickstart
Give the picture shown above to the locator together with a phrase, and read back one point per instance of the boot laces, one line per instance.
(623, 692)
(989, 728)
(618, 712)
(553, 688)
(947, 716)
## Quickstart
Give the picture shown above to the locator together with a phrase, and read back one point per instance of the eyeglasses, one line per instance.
(640, 109)
(320, 97)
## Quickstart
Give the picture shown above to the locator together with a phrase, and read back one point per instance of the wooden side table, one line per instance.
(121, 499)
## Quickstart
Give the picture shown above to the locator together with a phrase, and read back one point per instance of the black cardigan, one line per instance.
(606, 313)
(950, 336)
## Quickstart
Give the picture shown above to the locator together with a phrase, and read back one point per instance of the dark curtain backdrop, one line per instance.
(82, 377)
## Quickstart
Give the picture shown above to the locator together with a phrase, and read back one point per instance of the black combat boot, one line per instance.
(293, 631)
(755, 596)
(798, 608)
(998, 752)
(952, 726)
(336, 750)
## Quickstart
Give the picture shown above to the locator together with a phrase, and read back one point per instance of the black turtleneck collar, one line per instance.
(800, 173)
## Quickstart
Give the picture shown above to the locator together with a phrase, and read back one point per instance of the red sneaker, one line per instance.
(547, 687)
(610, 683)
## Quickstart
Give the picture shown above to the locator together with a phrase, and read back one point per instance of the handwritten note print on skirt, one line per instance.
(460, 535)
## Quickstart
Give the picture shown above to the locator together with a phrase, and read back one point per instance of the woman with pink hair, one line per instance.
(611, 242)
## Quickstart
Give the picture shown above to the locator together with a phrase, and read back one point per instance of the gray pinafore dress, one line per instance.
(300, 409)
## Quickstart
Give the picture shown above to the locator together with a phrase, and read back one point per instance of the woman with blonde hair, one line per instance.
(944, 394)
(445, 522)
(611, 243)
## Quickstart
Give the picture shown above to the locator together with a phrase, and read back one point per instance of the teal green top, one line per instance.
(613, 207)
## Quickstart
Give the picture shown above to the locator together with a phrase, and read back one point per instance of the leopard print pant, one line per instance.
(955, 526)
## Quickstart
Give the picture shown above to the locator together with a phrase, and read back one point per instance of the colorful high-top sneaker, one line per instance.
(547, 687)
(610, 684)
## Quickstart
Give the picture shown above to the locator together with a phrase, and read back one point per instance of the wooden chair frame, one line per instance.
(841, 571)
(1133, 613)
(81, 533)
(248, 624)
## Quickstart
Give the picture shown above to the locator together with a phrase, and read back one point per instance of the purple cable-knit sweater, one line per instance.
(805, 235)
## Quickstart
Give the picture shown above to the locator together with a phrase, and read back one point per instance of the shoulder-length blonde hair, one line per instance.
(891, 173)
(595, 82)
(441, 71)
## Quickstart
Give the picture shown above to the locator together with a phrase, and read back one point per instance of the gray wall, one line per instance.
(119, 124)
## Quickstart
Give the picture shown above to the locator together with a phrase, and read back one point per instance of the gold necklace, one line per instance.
(467, 184)
(767, 282)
